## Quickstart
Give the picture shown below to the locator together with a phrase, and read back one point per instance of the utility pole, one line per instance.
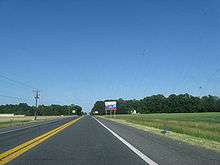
(36, 97)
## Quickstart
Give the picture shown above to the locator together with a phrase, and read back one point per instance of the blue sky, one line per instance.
(80, 51)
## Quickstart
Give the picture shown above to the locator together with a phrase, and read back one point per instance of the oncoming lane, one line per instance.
(13, 137)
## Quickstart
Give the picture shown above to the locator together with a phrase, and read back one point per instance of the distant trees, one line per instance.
(181, 103)
(100, 107)
(77, 108)
(18, 109)
(43, 110)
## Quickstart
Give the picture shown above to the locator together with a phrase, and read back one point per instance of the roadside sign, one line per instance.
(111, 105)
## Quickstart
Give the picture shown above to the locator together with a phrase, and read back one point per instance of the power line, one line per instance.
(17, 82)
(12, 97)
(15, 97)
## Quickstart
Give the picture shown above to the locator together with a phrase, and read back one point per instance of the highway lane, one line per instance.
(84, 143)
(87, 142)
(12, 137)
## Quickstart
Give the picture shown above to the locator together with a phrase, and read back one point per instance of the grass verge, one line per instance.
(13, 123)
(19, 121)
(200, 129)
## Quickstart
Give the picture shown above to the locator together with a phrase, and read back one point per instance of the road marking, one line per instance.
(11, 154)
(131, 147)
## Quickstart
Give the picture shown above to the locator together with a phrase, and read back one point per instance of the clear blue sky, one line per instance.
(80, 51)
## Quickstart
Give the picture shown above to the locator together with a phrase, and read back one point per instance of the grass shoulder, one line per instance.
(200, 129)
(20, 121)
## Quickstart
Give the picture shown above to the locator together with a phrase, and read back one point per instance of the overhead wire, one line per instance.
(12, 97)
(17, 82)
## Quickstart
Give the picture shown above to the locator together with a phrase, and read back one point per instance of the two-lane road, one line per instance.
(98, 142)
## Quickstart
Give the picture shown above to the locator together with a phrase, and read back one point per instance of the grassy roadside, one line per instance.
(19, 121)
(13, 123)
(200, 129)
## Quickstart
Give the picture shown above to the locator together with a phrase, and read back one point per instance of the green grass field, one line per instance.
(202, 125)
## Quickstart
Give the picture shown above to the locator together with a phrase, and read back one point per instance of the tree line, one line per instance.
(42, 110)
(182, 103)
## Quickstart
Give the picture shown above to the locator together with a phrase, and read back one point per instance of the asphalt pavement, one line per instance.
(89, 142)
(11, 137)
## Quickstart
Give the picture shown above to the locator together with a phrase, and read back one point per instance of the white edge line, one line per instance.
(31, 126)
(131, 147)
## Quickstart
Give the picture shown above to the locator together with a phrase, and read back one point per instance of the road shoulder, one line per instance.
(195, 141)
(162, 149)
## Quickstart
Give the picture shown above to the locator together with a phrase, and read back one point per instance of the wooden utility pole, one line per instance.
(36, 97)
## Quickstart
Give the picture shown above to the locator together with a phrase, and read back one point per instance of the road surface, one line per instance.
(89, 141)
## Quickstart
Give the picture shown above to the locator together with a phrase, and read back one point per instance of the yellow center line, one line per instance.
(11, 154)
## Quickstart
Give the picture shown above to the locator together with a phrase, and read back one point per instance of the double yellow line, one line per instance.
(11, 154)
